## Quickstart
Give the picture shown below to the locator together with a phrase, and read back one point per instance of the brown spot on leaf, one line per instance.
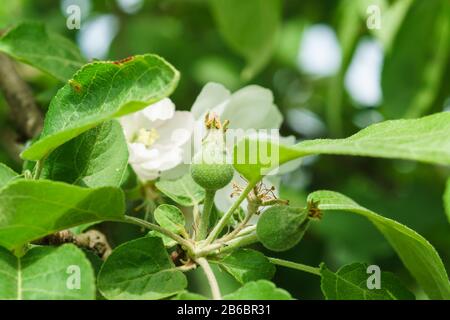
(119, 62)
(75, 85)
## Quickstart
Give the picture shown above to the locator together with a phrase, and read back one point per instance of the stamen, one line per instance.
(147, 137)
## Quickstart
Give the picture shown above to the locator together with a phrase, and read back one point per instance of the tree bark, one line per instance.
(25, 113)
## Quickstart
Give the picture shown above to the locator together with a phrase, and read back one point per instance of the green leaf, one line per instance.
(250, 28)
(31, 209)
(82, 227)
(412, 74)
(140, 269)
(170, 217)
(351, 283)
(247, 265)
(96, 158)
(168, 242)
(426, 139)
(46, 273)
(281, 227)
(447, 200)
(186, 295)
(183, 191)
(416, 253)
(259, 290)
(6, 175)
(32, 43)
(130, 183)
(99, 92)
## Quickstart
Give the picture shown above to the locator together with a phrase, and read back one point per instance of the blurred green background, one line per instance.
(334, 67)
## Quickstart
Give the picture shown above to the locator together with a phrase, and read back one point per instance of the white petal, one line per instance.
(132, 123)
(198, 134)
(177, 130)
(212, 95)
(144, 174)
(139, 153)
(252, 108)
(151, 117)
(161, 110)
(169, 157)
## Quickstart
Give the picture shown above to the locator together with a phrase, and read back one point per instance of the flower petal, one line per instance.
(252, 108)
(212, 95)
(176, 131)
(139, 153)
(131, 124)
(143, 174)
(161, 110)
(152, 116)
(169, 157)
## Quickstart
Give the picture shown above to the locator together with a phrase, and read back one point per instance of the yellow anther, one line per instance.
(147, 136)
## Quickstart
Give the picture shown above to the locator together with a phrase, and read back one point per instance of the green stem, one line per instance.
(205, 217)
(239, 242)
(246, 231)
(211, 278)
(151, 226)
(241, 225)
(38, 168)
(224, 220)
(296, 266)
(220, 247)
(195, 217)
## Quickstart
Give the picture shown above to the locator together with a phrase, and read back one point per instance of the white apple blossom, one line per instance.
(251, 107)
(157, 137)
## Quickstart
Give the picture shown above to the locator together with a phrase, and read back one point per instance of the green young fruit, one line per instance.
(281, 227)
(211, 168)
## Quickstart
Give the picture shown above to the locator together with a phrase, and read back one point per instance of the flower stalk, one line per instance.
(206, 214)
(148, 225)
(215, 291)
(224, 220)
